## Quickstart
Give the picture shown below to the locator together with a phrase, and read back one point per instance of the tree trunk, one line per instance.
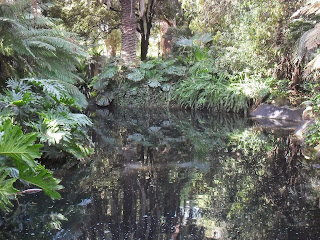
(35, 9)
(129, 37)
(145, 25)
(165, 44)
(145, 43)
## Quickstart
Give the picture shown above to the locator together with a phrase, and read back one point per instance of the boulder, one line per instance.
(275, 112)
(302, 128)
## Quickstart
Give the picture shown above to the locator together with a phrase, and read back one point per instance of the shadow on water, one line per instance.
(178, 175)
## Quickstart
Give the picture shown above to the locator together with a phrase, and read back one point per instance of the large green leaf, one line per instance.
(42, 178)
(153, 83)
(6, 189)
(147, 65)
(176, 70)
(136, 75)
(20, 147)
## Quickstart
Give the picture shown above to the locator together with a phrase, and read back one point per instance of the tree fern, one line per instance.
(59, 90)
(33, 42)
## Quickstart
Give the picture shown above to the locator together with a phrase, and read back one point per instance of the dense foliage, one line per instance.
(227, 56)
(39, 101)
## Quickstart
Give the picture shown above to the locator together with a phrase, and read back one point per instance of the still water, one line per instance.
(178, 175)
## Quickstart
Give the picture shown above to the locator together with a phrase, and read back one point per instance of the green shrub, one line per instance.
(44, 106)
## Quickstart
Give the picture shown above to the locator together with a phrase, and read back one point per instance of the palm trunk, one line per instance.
(129, 37)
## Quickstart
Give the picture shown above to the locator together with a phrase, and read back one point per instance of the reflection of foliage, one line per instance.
(55, 221)
(208, 181)
(249, 142)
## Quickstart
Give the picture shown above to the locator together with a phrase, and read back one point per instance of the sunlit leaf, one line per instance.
(165, 87)
(18, 146)
(136, 75)
(154, 83)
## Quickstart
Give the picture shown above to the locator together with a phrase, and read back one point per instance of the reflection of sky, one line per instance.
(191, 212)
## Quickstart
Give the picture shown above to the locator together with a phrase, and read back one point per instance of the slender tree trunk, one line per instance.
(165, 44)
(35, 9)
(144, 47)
(129, 37)
(145, 25)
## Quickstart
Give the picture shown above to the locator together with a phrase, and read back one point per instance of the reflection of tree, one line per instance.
(257, 194)
(180, 176)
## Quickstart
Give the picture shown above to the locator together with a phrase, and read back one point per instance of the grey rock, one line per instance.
(274, 112)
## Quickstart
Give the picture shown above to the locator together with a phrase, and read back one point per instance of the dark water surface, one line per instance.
(177, 175)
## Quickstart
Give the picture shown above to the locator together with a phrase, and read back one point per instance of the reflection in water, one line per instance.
(177, 176)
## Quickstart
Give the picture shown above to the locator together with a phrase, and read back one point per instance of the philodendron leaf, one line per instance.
(20, 147)
(165, 87)
(158, 77)
(147, 65)
(176, 70)
(42, 178)
(136, 75)
(154, 83)
(6, 189)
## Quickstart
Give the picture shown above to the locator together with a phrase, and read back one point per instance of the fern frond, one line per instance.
(312, 66)
(75, 93)
(49, 86)
(40, 44)
(309, 10)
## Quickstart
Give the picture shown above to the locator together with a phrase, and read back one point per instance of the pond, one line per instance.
(178, 175)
